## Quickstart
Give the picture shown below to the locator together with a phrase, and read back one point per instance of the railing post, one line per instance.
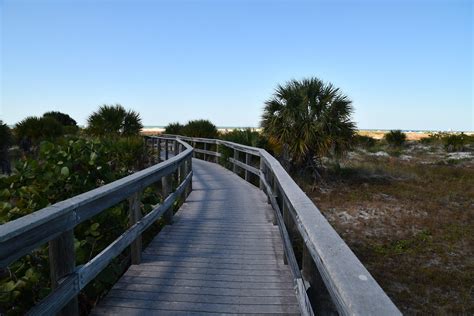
(62, 261)
(247, 162)
(205, 148)
(236, 156)
(158, 146)
(217, 152)
(166, 190)
(317, 292)
(194, 146)
(286, 223)
(134, 215)
(166, 149)
(275, 195)
(190, 168)
(176, 147)
(262, 169)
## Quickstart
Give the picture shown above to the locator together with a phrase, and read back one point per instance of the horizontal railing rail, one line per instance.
(55, 224)
(335, 280)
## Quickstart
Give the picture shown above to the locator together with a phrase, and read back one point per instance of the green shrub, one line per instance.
(246, 136)
(174, 129)
(395, 138)
(200, 128)
(69, 124)
(433, 138)
(6, 140)
(364, 141)
(455, 142)
(62, 118)
(62, 170)
(6, 137)
(32, 130)
(114, 120)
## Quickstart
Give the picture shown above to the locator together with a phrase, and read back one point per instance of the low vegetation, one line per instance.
(62, 166)
(410, 219)
(200, 128)
(395, 138)
(174, 129)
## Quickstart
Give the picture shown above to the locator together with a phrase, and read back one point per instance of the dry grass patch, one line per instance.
(411, 224)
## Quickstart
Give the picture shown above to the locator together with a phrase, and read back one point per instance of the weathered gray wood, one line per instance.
(166, 149)
(98, 263)
(83, 275)
(176, 147)
(247, 163)
(244, 166)
(52, 304)
(135, 215)
(166, 189)
(353, 290)
(318, 293)
(62, 260)
(207, 152)
(21, 236)
(216, 265)
(235, 160)
(158, 149)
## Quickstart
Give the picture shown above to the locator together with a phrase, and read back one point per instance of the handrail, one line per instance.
(328, 265)
(55, 224)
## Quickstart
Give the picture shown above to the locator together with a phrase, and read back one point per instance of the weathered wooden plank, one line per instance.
(53, 303)
(202, 290)
(343, 274)
(352, 288)
(207, 152)
(87, 272)
(220, 257)
(62, 261)
(201, 298)
(135, 215)
(244, 166)
(202, 307)
(187, 269)
(21, 236)
(99, 262)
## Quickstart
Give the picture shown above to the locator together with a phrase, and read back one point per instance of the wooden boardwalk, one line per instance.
(221, 255)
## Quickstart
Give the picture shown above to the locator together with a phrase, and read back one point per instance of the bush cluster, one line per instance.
(60, 170)
(395, 138)
(364, 141)
(194, 128)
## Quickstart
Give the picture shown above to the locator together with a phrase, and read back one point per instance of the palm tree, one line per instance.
(112, 120)
(310, 118)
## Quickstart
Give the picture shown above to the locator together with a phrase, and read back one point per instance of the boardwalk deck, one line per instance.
(221, 255)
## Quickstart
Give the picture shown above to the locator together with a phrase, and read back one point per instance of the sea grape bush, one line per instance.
(62, 170)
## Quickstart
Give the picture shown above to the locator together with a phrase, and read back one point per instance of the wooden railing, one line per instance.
(55, 224)
(324, 268)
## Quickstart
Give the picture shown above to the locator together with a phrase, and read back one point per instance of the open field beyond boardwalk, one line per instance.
(410, 220)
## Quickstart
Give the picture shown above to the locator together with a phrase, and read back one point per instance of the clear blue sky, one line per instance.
(405, 64)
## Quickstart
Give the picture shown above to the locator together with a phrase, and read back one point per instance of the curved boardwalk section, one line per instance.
(221, 255)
